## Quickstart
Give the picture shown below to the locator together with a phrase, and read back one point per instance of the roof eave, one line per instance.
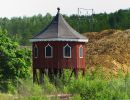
(59, 39)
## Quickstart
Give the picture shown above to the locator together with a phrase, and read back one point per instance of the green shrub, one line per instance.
(76, 97)
(98, 88)
(48, 86)
(84, 88)
(35, 98)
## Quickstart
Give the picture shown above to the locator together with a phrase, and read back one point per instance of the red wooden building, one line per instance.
(58, 47)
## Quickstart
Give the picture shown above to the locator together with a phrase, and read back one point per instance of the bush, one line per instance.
(14, 62)
(96, 88)
(48, 86)
(84, 88)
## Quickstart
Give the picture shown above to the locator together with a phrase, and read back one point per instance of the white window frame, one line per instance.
(51, 51)
(64, 51)
(80, 52)
(35, 51)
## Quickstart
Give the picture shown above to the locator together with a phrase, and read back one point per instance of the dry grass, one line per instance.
(7, 97)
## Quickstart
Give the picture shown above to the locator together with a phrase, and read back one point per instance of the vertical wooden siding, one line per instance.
(58, 61)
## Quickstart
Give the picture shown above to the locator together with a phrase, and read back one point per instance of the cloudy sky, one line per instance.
(10, 8)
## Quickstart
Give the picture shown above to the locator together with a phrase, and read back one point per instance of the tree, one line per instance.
(14, 61)
(22, 28)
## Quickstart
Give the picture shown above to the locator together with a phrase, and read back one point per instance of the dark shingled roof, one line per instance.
(59, 29)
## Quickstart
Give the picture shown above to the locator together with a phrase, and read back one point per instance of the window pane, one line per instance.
(81, 52)
(48, 51)
(35, 52)
(67, 51)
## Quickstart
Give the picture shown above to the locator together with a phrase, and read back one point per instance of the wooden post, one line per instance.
(55, 71)
(37, 77)
(71, 73)
(76, 73)
(41, 75)
(83, 72)
(50, 73)
(60, 72)
(46, 71)
(34, 75)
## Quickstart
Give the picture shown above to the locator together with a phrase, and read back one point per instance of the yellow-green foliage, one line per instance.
(48, 86)
(90, 87)
(4, 96)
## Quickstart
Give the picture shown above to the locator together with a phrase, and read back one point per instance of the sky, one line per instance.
(13, 8)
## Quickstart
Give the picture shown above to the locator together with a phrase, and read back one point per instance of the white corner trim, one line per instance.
(64, 51)
(82, 51)
(51, 51)
(59, 39)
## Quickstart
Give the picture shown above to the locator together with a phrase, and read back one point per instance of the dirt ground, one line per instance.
(109, 49)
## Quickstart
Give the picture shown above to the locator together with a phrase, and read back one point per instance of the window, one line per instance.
(81, 52)
(67, 51)
(48, 51)
(35, 51)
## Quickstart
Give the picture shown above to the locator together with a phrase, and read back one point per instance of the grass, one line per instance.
(5, 96)
(91, 87)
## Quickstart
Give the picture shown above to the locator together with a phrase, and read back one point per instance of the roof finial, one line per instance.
(58, 9)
